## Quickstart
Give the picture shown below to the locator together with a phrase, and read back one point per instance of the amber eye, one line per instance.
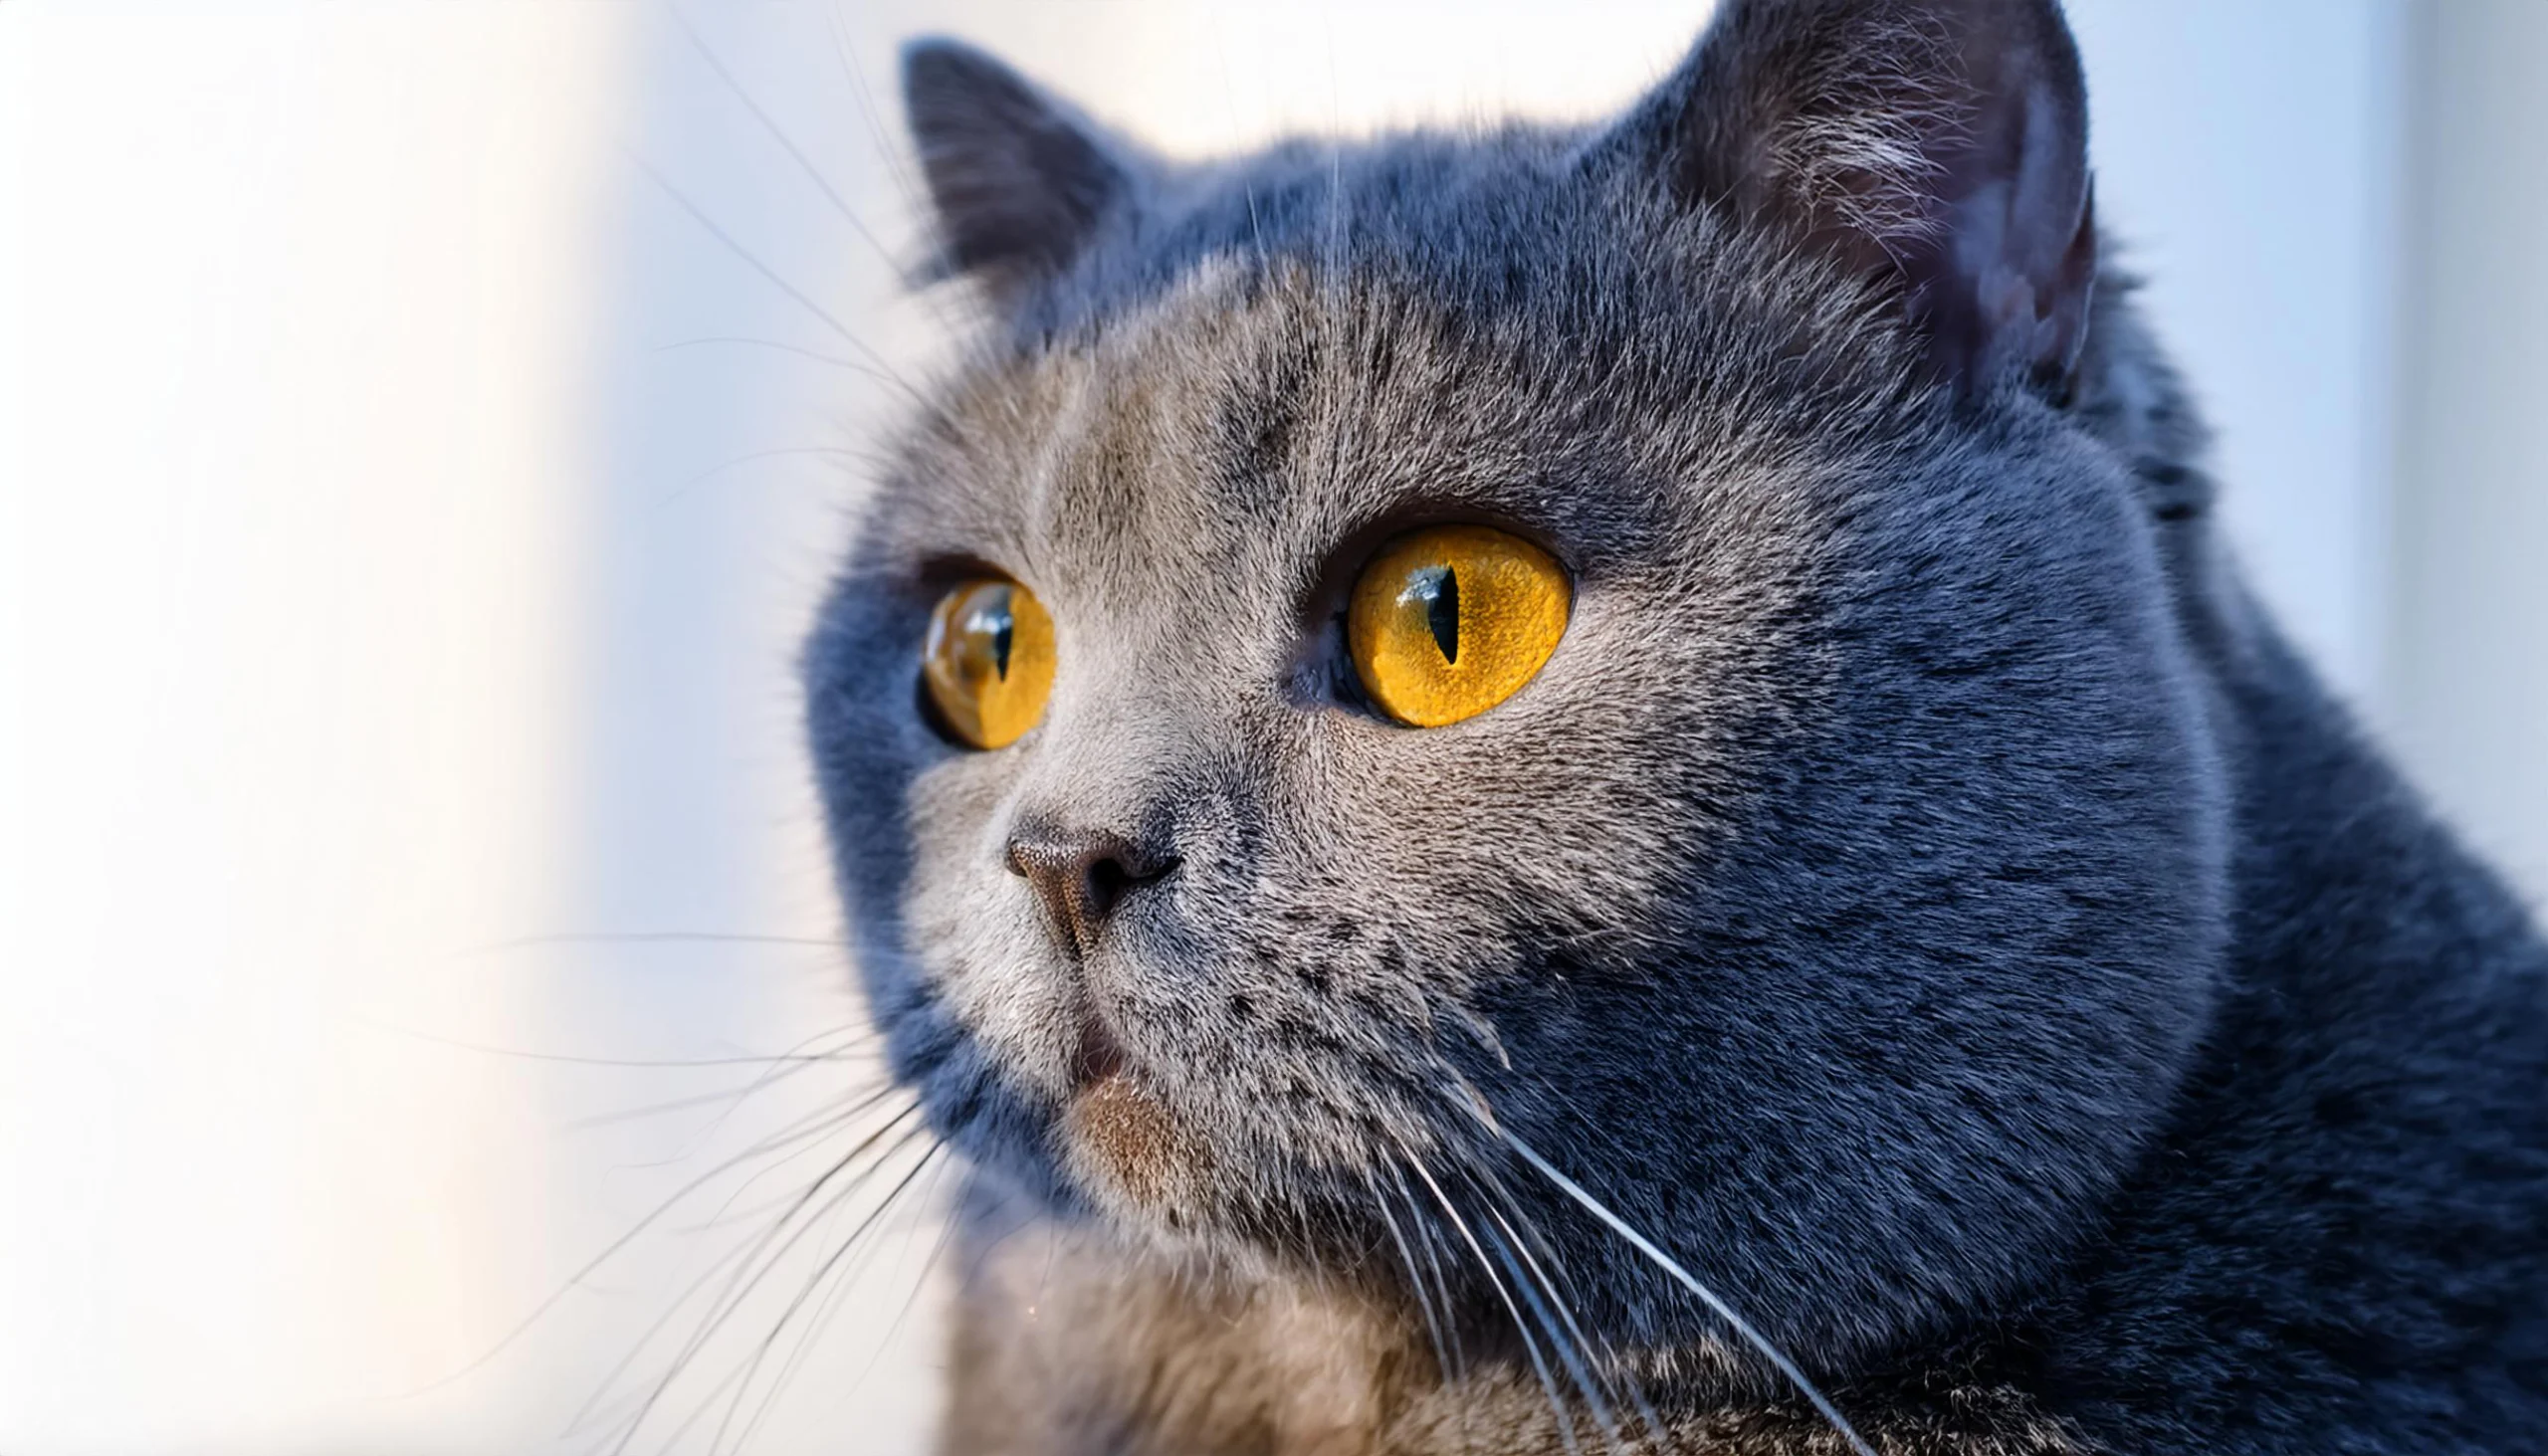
(989, 661)
(1451, 620)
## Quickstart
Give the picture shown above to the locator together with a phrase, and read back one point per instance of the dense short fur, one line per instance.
(1921, 892)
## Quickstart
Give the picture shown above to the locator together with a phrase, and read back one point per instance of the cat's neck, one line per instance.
(2347, 1193)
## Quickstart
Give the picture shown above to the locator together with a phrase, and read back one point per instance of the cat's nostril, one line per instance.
(1083, 875)
(1107, 882)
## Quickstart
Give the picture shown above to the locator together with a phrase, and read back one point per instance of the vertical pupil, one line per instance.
(995, 620)
(1439, 587)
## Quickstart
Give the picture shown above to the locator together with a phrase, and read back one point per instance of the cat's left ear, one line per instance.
(1021, 183)
(1940, 145)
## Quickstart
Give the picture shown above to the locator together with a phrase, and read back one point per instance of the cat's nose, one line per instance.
(1083, 875)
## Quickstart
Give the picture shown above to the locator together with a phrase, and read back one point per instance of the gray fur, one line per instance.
(1921, 891)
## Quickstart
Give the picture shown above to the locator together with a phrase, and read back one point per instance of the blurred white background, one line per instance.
(423, 428)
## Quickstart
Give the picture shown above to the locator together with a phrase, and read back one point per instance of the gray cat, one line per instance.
(1598, 788)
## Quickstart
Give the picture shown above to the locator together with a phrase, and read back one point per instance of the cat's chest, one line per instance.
(1064, 1349)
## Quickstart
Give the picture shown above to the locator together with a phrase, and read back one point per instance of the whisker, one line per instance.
(840, 1288)
(817, 355)
(762, 1260)
(1569, 1348)
(645, 938)
(779, 134)
(709, 1400)
(1495, 1192)
(622, 1414)
(1221, 51)
(725, 1216)
(863, 1101)
(829, 1116)
(1539, 1363)
(821, 1273)
(794, 1207)
(610, 1251)
(893, 263)
(751, 260)
(894, 165)
(1441, 1285)
(1414, 1279)
(730, 1095)
(836, 452)
(1687, 1280)
(580, 1061)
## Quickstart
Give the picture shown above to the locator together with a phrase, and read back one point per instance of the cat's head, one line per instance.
(1836, 902)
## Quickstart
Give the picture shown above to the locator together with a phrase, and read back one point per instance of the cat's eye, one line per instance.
(1448, 621)
(989, 661)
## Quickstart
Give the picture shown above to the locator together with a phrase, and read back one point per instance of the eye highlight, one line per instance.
(989, 661)
(1448, 621)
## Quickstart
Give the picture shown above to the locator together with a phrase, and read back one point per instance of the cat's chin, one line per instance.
(1123, 1145)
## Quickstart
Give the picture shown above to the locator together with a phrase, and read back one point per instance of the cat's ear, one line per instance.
(1019, 180)
(1939, 145)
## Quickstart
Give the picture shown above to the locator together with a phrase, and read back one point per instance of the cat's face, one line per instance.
(1834, 902)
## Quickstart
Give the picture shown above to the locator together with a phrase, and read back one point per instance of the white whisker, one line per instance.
(1414, 1279)
(753, 261)
(813, 1285)
(1567, 1355)
(1635, 1394)
(1441, 1286)
(749, 1264)
(1539, 1363)
(1688, 1281)
(779, 134)
(1573, 1344)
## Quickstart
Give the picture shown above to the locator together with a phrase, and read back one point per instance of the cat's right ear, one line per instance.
(1938, 147)
(1019, 181)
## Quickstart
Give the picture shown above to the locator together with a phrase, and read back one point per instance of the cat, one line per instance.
(1580, 788)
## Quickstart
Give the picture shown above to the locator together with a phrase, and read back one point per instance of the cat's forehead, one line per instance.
(1234, 423)
(1240, 423)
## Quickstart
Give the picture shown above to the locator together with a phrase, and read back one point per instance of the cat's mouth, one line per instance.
(1101, 1054)
(1119, 1137)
